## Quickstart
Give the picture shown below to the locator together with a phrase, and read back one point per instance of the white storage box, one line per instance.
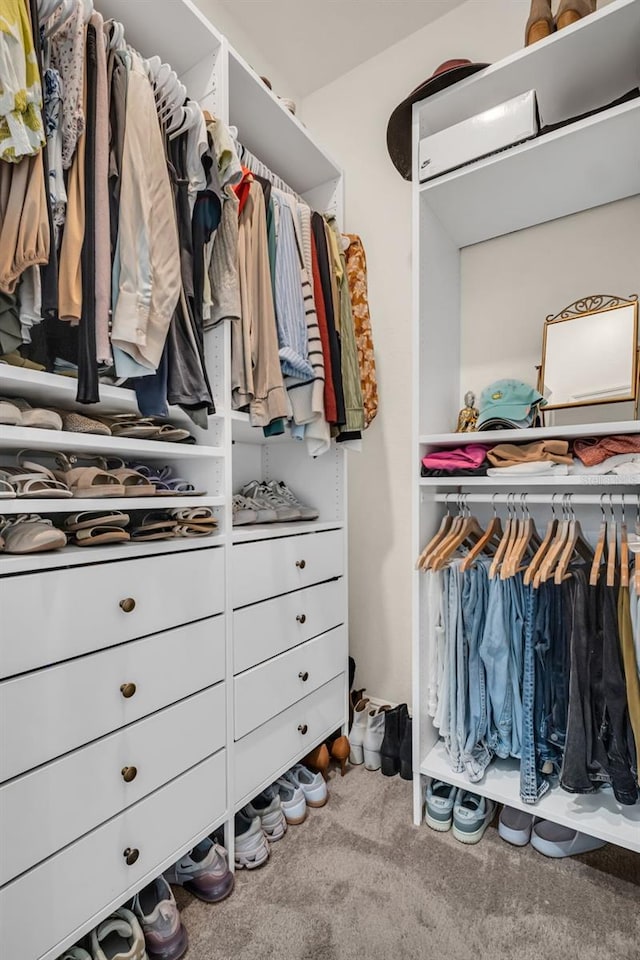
(495, 129)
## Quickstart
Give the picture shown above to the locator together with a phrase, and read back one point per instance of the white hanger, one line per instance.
(88, 10)
(46, 9)
(152, 65)
(173, 101)
(64, 12)
(192, 114)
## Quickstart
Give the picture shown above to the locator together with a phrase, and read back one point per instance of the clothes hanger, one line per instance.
(88, 10)
(505, 541)
(555, 549)
(452, 532)
(528, 541)
(47, 8)
(636, 562)
(445, 526)
(576, 546)
(624, 550)
(489, 541)
(540, 553)
(192, 114)
(598, 553)
(469, 531)
(612, 544)
(65, 11)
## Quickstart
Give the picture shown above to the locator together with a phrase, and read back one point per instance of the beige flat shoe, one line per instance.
(37, 417)
(100, 535)
(10, 415)
(33, 481)
(78, 423)
(88, 482)
(31, 534)
(95, 518)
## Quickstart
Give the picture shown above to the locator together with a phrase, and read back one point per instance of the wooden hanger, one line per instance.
(450, 534)
(612, 544)
(528, 541)
(445, 526)
(545, 571)
(576, 546)
(624, 550)
(488, 541)
(504, 543)
(469, 531)
(540, 553)
(598, 553)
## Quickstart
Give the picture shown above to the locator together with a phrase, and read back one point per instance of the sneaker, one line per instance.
(439, 800)
(75, 953)
(471, 816)
(268, 500)
(264, 513)
(243, 513)
(515, 826)
(294, 805)
(267, 806)
(373, 736)
(251, 846)
(204, 872)
(280, 489)
(554, 840)
(311, 784)
(357, 732)
(157, 911)
(119, 937)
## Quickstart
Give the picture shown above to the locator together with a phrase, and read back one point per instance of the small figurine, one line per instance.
(468, 416)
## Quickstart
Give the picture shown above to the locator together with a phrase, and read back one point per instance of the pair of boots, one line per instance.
(541, 22)
(380, 737)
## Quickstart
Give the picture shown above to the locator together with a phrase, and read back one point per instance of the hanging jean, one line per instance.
(532, 786)
(516, 598)
(495, 655)
(453, 651)
(476, 756)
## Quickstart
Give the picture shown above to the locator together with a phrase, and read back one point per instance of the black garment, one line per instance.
(117, 84)
(88, 391)
(317, 226)
(461, 472)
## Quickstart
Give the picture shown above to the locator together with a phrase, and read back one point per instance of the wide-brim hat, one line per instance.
(399, 126)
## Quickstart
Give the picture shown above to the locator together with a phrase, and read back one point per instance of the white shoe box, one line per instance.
(496, 129)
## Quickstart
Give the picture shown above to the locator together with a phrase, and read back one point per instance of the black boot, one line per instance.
(406, 752)
(394, 724)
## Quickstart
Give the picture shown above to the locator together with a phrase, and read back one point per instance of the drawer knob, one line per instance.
(129, 774)
(127, 690)
(130, 855)
(303, 728)
(303, 676)
(301, 618)
(301, 564)
(128, 605)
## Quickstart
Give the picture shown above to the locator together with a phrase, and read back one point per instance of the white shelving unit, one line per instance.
(190, 590)
(579, 166)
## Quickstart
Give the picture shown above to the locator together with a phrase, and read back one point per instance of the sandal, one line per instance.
(171, 434)
(99, 535)
(88, 482)
(7, 492)
(78, 423)
(30, 534)
(128, 425)
(95, 518)
(199, 515)
(166, 485)
(34, 481)
(155, 526)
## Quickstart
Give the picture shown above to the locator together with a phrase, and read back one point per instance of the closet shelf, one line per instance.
(81, 556)
(560, 483)
(269, 531)
(529, 436)
(594, 161)
(18, 438)
(78, 504)
(598, 814)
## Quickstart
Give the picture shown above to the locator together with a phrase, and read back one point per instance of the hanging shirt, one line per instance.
(21, 127)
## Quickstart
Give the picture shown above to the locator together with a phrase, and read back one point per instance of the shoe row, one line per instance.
(31, 533)
(381, 738)
(150, 927)
(271, 502)
(30, 479)
(468, 815)
(17, 412)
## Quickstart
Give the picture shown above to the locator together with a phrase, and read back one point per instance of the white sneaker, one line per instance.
(357, 732)
(554, 840)
(471, 816)
(251, 845)
(265, 497)
(280, 489)
(267, 806)
(311, 784)
(243, 513)
(264, 514)
(119, 937)
(75, 953)
(373, 736)
(294, 805)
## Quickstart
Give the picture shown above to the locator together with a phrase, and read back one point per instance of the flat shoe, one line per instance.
(10, 415)
(96, 536)
(78, 423)
(31, 534)
(94, 518)
(37, 417)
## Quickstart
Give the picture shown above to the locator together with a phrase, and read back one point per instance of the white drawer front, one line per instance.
(46, 713)
(268, 568)
(66, 613)
(266, 629)
(43, 811)
(69, 889)
(280, 742)
(266, 690)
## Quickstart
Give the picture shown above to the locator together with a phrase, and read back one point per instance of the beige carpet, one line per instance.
(357, 881)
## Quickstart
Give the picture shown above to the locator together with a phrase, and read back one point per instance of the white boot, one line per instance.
(374, 735)
(357, 732)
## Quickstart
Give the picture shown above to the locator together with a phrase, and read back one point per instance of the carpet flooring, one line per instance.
(358, 880)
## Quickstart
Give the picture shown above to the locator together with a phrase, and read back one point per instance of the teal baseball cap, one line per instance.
(508, 404)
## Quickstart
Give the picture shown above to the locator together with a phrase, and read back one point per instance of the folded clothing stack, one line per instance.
(470, 460)
(541, 458)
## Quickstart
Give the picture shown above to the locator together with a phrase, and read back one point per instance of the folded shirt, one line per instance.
(537, 468)
(619, 463)
(509, 454)
(469, 457)
(594, 450)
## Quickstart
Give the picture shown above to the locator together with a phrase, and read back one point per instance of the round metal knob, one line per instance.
(301, 564)
(127, 690)
(131, 854)
(302, 728)
(128, 605)
(303, 676)
(129, 774)
(301, 618)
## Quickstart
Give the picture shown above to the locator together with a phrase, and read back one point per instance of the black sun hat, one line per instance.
(399, 127)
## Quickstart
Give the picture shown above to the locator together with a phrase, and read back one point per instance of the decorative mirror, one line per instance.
(590, 353)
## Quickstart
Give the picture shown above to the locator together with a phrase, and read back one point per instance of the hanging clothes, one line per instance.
(354, 411)
(319, 232)
(21, 126)
(357, 277)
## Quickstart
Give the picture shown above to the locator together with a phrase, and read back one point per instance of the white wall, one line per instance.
(350, 117)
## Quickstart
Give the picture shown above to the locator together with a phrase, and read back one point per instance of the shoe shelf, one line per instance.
(77, 504)
(559, 483)
(269, 531)
(529, 436)
(28, 438)
(598, 814)
(71, 556)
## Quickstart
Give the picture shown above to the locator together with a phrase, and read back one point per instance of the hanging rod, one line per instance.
(516, 499)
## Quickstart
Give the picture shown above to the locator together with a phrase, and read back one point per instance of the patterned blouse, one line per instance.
(21, 127)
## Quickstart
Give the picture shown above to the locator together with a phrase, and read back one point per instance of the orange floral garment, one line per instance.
(357, 276)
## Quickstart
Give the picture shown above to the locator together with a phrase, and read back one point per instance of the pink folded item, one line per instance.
(469, 457)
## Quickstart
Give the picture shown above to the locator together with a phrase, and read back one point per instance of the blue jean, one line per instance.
(516, 597)
(476, 755)
(454, 655)
(495, 655)
(532, 785)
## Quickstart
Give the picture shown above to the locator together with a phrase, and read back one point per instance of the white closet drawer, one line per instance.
(280, 742)
(268, 568)
(266, 690)
(72, 887)
(65, 613)
(43, 811)
(266, 629)
(46, 713)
